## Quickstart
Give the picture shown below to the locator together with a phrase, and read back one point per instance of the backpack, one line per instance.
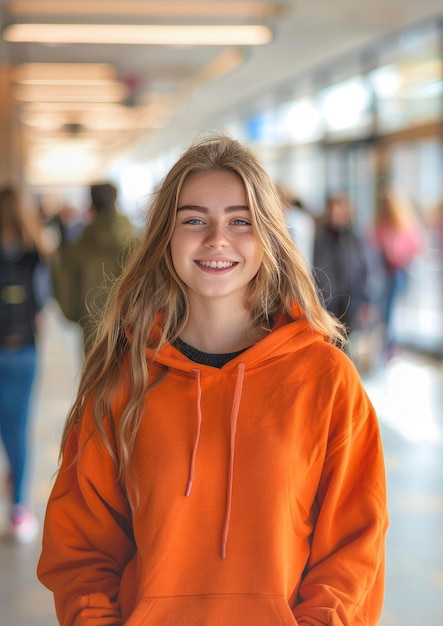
(18, 305)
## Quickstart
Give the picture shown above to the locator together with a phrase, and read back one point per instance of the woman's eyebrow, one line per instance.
(203, 209)
(192, 207)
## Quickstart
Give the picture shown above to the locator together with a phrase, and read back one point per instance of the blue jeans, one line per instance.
(396, 284)
(17, 374)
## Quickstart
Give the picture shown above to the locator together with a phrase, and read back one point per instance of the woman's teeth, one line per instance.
(220, 265)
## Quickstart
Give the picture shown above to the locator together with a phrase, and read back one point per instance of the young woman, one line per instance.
(222, 463)
(21, 250)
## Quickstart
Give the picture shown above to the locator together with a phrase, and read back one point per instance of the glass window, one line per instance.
(408, 85)
(300, 121)
(407, 93)
(347, 108)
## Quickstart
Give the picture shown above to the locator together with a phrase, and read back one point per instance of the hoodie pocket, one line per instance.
(229, 610)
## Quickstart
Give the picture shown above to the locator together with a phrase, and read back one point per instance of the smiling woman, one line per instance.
(213, 237)
(219, 432)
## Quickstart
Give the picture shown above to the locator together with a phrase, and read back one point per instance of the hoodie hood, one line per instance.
(289, 334)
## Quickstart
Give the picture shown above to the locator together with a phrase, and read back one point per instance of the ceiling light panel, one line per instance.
(173, 35)
(48, 73)
(146, 8)
(56, 107)
(112, 92)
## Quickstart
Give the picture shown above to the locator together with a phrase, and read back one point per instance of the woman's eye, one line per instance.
(194, 220)
(240, 222)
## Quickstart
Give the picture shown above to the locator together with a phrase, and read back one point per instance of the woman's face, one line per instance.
(213, 247)
(339, 213)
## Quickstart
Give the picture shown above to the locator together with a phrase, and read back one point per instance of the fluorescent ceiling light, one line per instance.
(112, 92)
(71, 73)
(104, 118)
(78, 82)
(56, 107)
(153, 34)
(147, 8)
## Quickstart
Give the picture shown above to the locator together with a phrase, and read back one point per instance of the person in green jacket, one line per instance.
(83, 270)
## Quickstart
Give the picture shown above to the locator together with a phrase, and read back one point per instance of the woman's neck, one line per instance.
(216, 329)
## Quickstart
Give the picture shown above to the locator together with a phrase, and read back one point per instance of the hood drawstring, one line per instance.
(234, 418)
(197, 436)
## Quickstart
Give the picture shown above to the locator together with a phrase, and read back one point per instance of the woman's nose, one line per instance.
(216, 237)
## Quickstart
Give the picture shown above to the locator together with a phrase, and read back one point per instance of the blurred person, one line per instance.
(70, 224)
(221, 463)
(21, 252)
(82, 270)
(341, 264)
(398, 237)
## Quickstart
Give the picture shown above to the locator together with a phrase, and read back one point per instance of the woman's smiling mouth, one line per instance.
(219, 265)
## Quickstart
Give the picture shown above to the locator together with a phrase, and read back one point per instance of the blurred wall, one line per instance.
(10, 169)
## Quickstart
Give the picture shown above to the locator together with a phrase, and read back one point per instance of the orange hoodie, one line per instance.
(262, 498)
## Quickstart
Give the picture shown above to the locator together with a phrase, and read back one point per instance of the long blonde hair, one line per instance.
(394, 209)
(18, 221)
(149, 287)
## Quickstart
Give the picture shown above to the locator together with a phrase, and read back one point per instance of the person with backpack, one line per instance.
(21, 252)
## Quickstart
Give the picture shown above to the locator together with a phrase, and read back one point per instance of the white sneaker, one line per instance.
(24, 526)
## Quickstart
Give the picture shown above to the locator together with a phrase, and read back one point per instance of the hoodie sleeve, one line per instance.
(343, 583)
(87, 539)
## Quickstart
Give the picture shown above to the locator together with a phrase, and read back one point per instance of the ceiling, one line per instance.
(165, 94)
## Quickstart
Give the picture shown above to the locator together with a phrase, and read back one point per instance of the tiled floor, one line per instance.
(408, 396)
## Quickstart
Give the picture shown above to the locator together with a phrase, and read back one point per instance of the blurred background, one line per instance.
(337, 97)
